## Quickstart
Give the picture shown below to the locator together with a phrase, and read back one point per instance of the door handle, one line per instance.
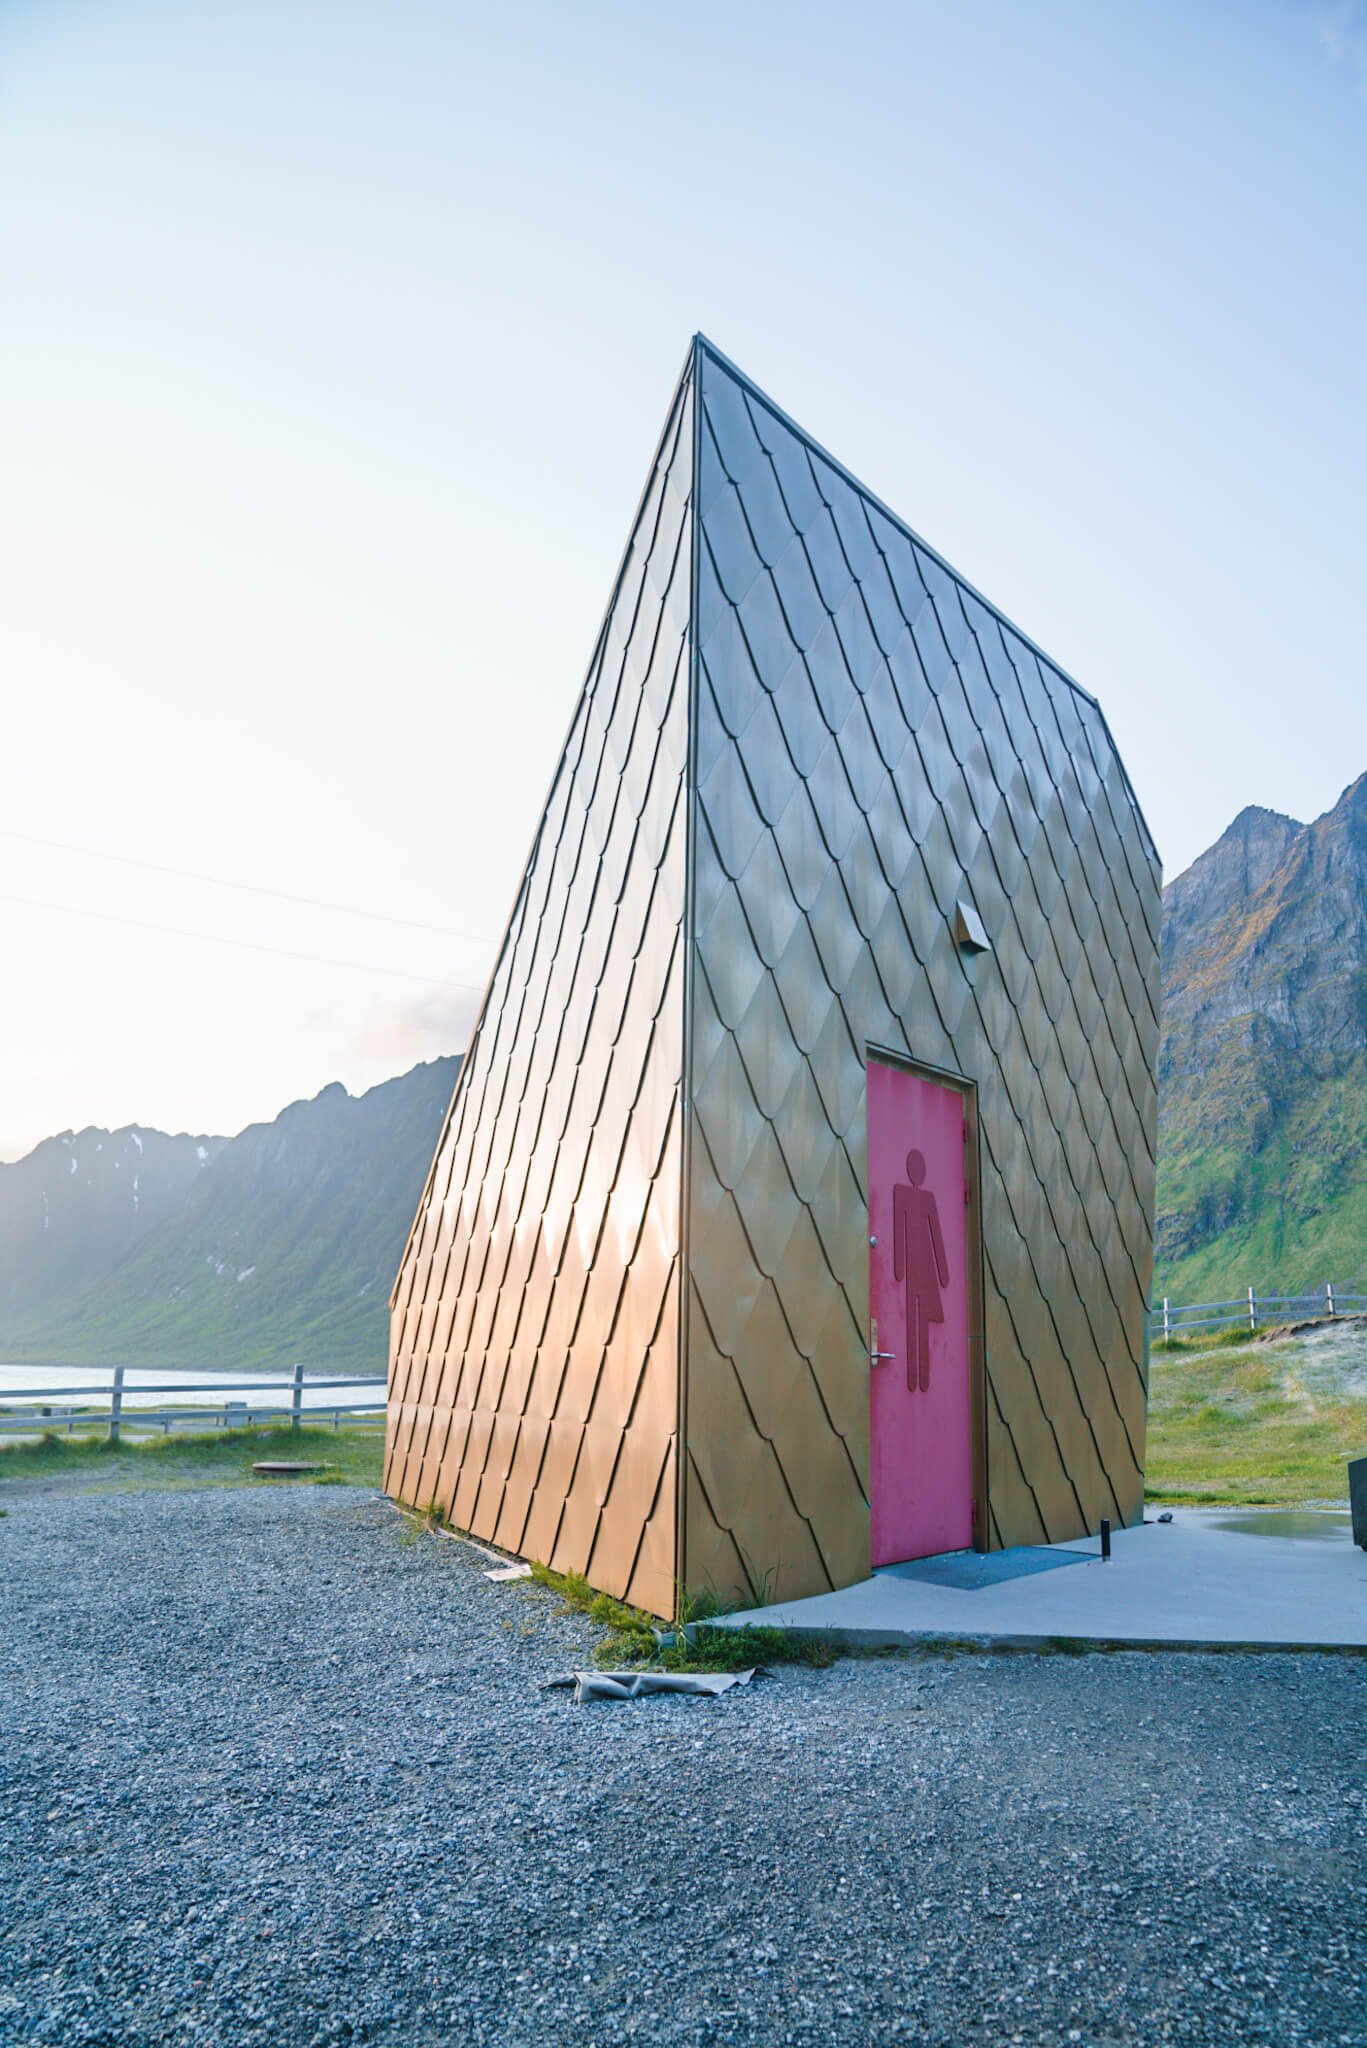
(878, 1357)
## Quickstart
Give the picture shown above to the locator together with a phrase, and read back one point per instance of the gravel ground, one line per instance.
(276, 1769)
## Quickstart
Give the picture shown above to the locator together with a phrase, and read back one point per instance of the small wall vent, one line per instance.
(969, 936)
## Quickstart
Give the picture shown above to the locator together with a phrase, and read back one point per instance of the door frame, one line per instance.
(977, 1339)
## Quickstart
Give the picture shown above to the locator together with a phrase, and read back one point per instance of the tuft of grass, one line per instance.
(222, 1457)
(1235, 1339)
(630, 1636)
(701, 1605)
(759, 1584)
(718, 1648)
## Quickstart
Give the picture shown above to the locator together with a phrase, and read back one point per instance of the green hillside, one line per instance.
(1272, 1421)
(1272, 1194)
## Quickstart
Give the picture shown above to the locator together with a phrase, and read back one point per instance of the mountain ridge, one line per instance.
(1263, 1068)
(276, 1244)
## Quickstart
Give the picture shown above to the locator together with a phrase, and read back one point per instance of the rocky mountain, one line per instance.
(81, 1202)
(279, 1244)
(1262, 1156)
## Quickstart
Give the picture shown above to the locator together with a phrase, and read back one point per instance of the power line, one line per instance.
(248, 945)
(158, 867)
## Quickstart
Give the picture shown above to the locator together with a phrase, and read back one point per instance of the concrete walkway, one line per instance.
(1222, 1577)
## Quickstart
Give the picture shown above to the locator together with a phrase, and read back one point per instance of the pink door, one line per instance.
(920, 1407)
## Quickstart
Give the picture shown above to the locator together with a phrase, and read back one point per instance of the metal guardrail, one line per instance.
(1169, 1319)
(235, 1413)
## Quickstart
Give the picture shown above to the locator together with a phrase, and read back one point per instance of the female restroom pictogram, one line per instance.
(918, 1260)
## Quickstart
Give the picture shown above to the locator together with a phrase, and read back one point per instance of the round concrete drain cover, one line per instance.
(283, 1468)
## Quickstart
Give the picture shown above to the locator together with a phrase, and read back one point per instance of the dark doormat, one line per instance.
(968, 1571)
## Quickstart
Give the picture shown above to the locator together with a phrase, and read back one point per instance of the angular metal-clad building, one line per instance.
(794, 1210)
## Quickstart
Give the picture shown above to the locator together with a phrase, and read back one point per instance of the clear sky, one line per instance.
(335, 342)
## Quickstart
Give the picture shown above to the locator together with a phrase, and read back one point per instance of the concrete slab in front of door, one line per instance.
(1207, 1579)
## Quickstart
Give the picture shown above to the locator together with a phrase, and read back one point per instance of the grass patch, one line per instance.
(1238, 1427)
(222, 1457)
(630, 1638)
(1211, 1340)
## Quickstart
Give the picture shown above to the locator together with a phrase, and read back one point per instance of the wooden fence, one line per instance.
(54, 1409)
(1252, 1310)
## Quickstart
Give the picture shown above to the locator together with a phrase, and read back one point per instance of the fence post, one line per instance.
(1329, 1295)
(1252, 1310)
(116, 1404)
(297, 1403)
(1167, 1321)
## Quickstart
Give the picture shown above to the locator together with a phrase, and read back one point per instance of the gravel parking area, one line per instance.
(276, 1769)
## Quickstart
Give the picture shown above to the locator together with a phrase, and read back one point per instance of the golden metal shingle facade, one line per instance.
(805, 751)
(534, 1340)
